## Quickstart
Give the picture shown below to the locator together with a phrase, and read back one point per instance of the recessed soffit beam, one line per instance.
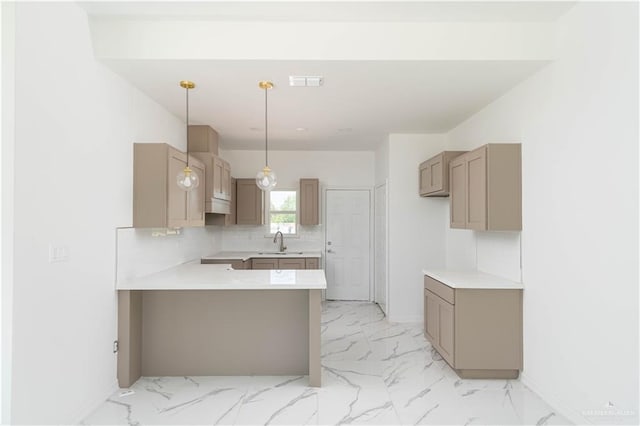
(201, 39)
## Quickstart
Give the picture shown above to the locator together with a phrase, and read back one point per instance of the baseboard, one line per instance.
(556, 403)
(91, 406)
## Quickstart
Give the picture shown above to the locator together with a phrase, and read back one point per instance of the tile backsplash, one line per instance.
(143, 251)
(254, 238)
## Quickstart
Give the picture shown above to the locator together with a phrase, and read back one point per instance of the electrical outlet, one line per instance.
(58, 253)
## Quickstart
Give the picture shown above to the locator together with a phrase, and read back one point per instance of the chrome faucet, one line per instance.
(275, 239)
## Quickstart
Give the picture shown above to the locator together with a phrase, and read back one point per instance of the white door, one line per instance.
(380, 247)
(347, 244)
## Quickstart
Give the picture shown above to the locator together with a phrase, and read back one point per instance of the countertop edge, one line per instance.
(469, 279)
(244, 256)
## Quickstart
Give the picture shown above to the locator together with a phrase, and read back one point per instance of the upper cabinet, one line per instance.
(249, 203)
(203, 144)
(486, 189)
(434, 174)
(309, 202)
(225, 219)
(158, 202)
(203, 139)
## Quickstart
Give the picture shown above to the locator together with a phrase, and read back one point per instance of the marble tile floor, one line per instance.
(373, 372)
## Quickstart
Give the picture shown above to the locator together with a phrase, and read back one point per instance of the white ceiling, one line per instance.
(360, 103)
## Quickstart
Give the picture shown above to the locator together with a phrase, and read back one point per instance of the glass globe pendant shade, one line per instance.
(266, 179)
(188, 179)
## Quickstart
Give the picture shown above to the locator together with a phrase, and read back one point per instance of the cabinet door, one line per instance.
(312, 263)
(435, 173)
(309, 202)
(196, 196)
(230, 219)
(458, 192)
(431, 317)
(264, 263)
(424, 180)
(249, 204)
(291, 264)
(218, 172)
(177, 215)
(476, 169)
(226, 180)
(445, 330)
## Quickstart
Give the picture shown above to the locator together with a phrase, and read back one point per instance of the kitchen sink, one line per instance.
(280, 253)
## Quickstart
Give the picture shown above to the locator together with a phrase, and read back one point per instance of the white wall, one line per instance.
(7, 96)
(416, 225)
(143, 251)
(75, 124)
(333, 168)
(382, 162)
(343, 169)
(577, 120)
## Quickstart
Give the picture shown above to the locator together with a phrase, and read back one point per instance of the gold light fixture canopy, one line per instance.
(266, 178)
(187, 179)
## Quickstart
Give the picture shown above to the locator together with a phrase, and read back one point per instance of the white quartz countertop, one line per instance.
(245, 255)
(196, 276)
(471, 279)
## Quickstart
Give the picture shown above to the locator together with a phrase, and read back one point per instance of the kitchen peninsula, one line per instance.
(203, 319)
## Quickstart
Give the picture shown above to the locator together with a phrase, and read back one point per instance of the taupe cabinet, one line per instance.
(477, 331)
(249, 203)
(203, 139)
(158, 202)
(309, 202)
(263, 263)
(225, 219)
(235, 263)
(312, 263)
(203, 144)
(217, 182)
(288, 263)
(486, 189)
(434, 174)
(269, 263)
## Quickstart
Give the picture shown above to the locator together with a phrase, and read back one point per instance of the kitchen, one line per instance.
(78, 105)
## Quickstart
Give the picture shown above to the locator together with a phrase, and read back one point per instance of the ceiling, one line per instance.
(360, 102)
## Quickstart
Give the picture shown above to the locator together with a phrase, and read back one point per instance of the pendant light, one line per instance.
(187, 179)
(266, 178)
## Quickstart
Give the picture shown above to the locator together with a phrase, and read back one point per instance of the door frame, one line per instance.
(371, 229)
(385, 184)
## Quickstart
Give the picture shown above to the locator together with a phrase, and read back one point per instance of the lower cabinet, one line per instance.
(439, 324)
(292, 264)
(235, 263)
(262, 263)
(268, 263)
(477, 331)
(312, 263)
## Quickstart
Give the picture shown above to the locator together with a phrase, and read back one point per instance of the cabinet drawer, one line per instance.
(442, 290)
(264, 263)
(291, 264)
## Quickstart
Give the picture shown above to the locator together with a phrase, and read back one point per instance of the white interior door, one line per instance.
(347, 247)
(380, 247)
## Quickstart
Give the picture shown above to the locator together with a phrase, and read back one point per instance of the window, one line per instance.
(283, 214)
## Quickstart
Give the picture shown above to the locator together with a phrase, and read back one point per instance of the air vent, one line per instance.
(305, 81)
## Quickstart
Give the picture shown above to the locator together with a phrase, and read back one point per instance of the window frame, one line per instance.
(268, 211)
